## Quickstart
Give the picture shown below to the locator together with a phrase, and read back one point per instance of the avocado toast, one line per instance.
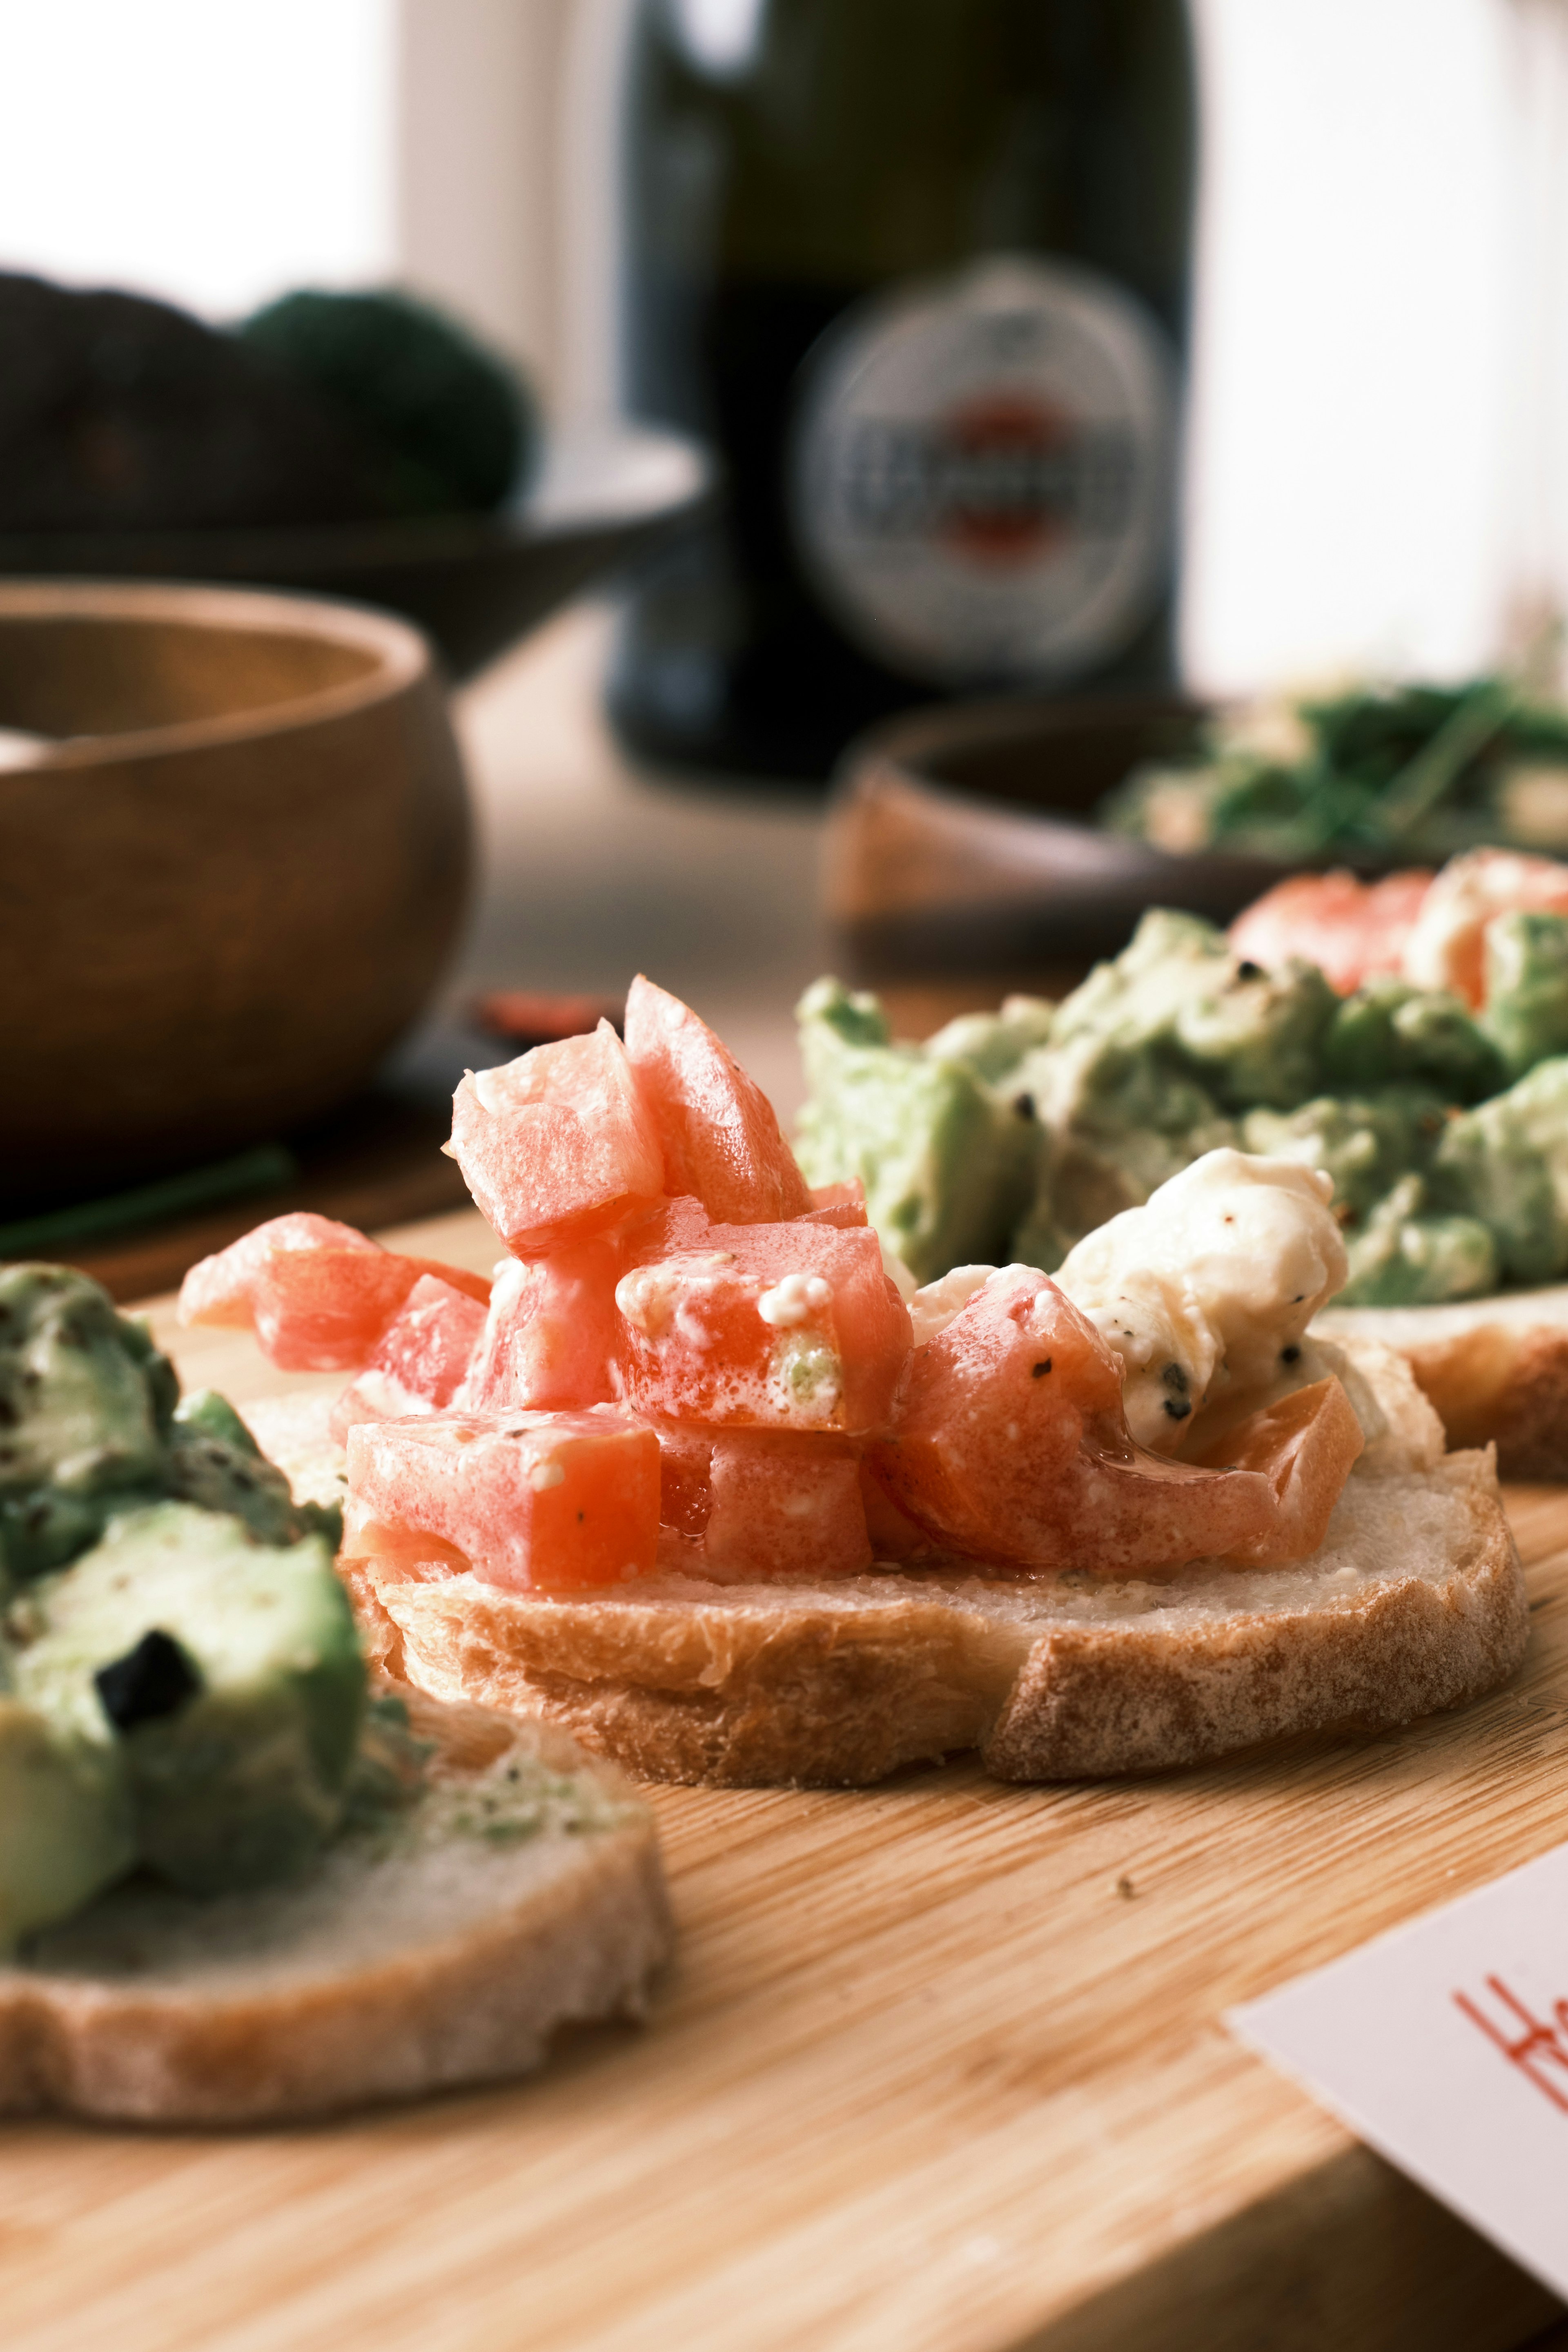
(1431, 1085)
(237, 1884)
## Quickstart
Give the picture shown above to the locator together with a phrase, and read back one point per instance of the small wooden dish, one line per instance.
(959, 841)
(229, 876)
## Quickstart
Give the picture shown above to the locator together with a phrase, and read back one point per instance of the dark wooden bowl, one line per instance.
(958, 839)
(228, 883)
(475, 584)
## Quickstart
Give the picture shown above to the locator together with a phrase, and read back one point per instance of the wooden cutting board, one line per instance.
(938, 2068)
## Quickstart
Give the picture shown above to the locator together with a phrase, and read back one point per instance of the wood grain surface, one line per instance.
(938, 2068)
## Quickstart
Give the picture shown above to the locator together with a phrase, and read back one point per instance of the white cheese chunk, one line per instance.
(1202, 1289)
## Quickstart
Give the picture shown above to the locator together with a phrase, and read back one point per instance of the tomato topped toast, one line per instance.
(724, 1490)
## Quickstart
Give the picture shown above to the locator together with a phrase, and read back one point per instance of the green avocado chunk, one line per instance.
(1527, 989)
(86, 1406)
(224, 1675)
(1389, 1031)
(1506, 1162)
(1366, 1143)
(214, 1461)
(1247, 1035)
(65, 1820)
(1402, 1257)
(948, 1159)
(994, 1043)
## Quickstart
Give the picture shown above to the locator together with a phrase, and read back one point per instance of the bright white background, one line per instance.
(1368, 474)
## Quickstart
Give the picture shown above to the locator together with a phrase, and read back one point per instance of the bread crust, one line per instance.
(1052, 1678)
(106, 2021)
(1494, 1374)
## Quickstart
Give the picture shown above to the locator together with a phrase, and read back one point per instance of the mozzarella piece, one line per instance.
(1202, 1290)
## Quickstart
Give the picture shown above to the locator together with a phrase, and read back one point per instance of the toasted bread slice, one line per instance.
(1496, 1369)
(1414, 1601)
(433, 1946)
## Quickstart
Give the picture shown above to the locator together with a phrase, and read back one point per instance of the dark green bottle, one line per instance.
(917, 272)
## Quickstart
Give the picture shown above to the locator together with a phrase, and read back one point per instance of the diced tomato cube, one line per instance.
(551, 1338)
(318, 1295)
(719, 1133)
(421, 1360)
(784, 1505)
(1010, 1447)
(534, 1501)
(755, 1503)
(559, 1144)
(1349, 927)
(766, 1326)
(221, 1289)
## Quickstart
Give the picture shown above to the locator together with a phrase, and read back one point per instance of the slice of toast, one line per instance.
(1416, 1600)
(434, 1945)
(1496, 1369)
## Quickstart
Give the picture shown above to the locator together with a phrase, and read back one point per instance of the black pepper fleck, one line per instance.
(155, 1679)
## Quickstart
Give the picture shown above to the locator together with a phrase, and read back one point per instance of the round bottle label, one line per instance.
(982, 472)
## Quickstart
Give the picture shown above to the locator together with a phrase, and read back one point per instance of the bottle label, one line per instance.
(981, 477)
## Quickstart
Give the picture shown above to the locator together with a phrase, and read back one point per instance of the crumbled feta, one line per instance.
(933, 1308)
(793, 1301)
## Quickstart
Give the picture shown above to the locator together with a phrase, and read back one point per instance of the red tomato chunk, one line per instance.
(719, 1133)
(1010, 1447)
(318, 1295)
(551, 1336)
(758, 1503)
(1352, 928)
(559, 1144)
(535, 1501)
(783, 1326)
(422, 1360)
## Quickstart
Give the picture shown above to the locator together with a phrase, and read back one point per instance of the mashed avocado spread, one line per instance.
(181, 1687)
(1013, 1134)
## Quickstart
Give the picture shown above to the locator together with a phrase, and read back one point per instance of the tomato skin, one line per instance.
(535, 1502)
(791, 1325)
(720, 1135)
(558, 1145)
(1011, 1448)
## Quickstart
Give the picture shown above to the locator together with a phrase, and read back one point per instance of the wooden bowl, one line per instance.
(958, 840)
(228, 880)
(474, 584)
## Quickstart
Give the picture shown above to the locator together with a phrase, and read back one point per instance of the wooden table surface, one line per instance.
(938, 2067)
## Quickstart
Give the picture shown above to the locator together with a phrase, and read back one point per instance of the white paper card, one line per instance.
(1443, 2045)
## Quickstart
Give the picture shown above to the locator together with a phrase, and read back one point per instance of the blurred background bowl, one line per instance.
(233, 854)
(474, 583)
(960, 841)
